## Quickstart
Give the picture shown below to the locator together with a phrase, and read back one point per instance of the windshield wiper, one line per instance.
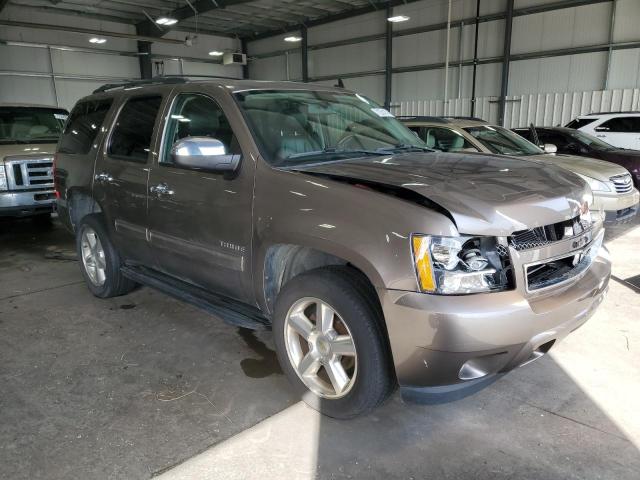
(332, 151)
(404, 148)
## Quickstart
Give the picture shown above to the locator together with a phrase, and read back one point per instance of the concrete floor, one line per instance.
(143, 385)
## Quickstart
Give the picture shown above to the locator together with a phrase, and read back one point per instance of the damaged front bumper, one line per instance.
(447, 346)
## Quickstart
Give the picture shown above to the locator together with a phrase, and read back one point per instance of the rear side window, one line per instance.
(580, 122)
(621, 124)
(131, 138)
(83, 126)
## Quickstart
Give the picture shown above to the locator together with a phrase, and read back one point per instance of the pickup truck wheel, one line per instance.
(330, 342)
(99, 260)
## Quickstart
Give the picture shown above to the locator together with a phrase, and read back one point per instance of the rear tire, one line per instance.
(99, 260)
(343, 370)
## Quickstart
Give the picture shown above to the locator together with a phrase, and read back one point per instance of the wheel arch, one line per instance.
(283, 261)
(80, 203)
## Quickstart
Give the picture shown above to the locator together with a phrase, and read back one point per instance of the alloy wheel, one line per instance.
(93, 258)
(320, 348)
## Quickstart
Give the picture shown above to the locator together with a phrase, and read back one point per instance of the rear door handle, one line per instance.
(103, 177)
(161, 189)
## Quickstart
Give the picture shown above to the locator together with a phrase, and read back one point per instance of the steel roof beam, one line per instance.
(186, 12)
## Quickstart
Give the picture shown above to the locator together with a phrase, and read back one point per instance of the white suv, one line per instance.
(620, 129)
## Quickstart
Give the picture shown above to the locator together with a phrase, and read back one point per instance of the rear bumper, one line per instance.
(21, 204)
(442, 344)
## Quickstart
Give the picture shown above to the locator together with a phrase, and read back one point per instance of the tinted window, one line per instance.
(580, 122)
(131, 138)
(524, 133)
(198, 116)
(621, 124)
(557, 139)
(83, 125)
(444, 139)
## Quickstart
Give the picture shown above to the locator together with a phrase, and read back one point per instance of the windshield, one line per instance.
(31, 124)
(300, 126)
(590, 141)
(502, 141)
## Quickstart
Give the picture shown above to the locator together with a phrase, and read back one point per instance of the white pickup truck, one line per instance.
(28, 137)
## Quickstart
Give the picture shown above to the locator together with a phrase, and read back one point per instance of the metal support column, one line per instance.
(304, 54)
(388, 68)
(506, 58)
(245, 68)
(53, 77)
(445, 106)
(612, 27)
(475, 62)
(146, 67)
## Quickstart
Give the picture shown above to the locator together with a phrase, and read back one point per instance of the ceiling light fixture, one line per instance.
(216, 53)
(98, 40)
(398, 18)
(292, 39)
(167, 21)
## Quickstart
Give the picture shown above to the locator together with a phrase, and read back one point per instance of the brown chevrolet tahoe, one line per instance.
(311, 211)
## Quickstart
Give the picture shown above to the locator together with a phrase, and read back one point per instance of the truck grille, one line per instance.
(540, 236)
(30, 174)
(622, 183)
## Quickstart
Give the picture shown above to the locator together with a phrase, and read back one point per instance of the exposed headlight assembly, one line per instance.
(461, 265)
(3, 178)
(596, 185)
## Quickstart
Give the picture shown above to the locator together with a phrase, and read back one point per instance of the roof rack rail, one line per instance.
(137, 83)
(161, 80)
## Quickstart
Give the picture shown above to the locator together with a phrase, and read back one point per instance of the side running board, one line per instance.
(231, 311)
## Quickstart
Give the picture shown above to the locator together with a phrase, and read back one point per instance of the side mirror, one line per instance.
(601, 129)
(203, 153)
(550, 148)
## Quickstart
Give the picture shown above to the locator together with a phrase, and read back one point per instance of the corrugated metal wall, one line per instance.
(582, 26)
(543, 109)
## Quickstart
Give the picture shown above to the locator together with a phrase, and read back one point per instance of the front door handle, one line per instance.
(103, 177)
(161, 189)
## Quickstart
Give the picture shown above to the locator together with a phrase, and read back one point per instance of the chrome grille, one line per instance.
(622, 183)
(541, 236)
(30, 174)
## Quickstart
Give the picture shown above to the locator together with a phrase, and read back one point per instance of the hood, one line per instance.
(629, 159)
(27, 149)
(598, 169)
(484, 194)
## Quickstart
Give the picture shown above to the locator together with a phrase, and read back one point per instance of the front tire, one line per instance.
(99, 260)
(330, 340)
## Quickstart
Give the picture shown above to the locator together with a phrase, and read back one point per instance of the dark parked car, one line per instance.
(575, 142)
(312, 211)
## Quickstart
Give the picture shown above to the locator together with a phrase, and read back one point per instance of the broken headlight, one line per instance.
(461, 265)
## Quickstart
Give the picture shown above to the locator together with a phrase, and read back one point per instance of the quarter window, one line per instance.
(83, 126)
(195, 115)
(132, 134)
